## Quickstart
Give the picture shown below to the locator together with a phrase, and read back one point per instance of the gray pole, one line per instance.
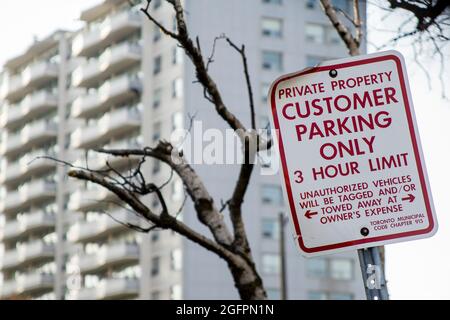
(283, 283)
(373, 274)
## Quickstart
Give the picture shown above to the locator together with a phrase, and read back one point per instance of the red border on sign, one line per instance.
(413, 140)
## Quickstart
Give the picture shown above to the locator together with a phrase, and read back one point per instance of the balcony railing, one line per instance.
(112, 60)
(119, 254)
(97, 161)
(29, 283)
(36, 190)
(32, 134)
(122, 288)
(113, 28)
(114, 91)
(113, 123)
(27, 253)
(27, 223)
(28, 165)
(87, 199)
(33, 105)
(100, 227)
(34, 75)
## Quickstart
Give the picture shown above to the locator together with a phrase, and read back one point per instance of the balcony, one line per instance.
(22, 226)
(28, 284)
(35, 283)
(97, 160)
(88, 231)
(123, 288)
(34, 191)
(27, 253)
(32, 134)
(27, 166)
(34, 75)
(112, 61)
(89, 199)
(114, 91)
(8, 289)
(112, 29)
(112, 123)
(32, 106)
(119, 255)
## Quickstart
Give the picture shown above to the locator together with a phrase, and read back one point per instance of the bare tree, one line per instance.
(423, 26)
(351, 41)
(428, 14)
(230, 244)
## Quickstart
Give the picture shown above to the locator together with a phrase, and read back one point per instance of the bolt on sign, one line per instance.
(353, 169)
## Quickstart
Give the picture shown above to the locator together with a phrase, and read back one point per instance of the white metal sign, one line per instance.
(353, 170)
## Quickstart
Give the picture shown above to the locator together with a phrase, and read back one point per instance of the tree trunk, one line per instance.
(247, 280)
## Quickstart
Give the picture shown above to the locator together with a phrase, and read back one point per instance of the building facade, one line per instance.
(120, 83)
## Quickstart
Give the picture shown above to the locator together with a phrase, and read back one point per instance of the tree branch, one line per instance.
(162, 221)
(345, 34)
(207, 212)
(241, 51)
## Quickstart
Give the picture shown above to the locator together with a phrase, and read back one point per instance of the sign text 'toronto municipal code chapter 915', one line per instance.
(353, 170)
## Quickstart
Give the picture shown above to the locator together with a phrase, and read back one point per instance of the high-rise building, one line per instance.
(33, 92)
(119, 83)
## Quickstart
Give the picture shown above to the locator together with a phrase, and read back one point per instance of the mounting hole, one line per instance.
(364, 232)
(333, 73)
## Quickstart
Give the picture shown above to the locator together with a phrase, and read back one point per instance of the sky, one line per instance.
(415, 270)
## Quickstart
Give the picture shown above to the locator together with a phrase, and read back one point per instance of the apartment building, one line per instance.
(119, 83)
(31, 95)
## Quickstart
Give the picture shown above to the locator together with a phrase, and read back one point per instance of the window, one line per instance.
(177, 121)
(155, 235)
(341, 269)
(311, 4)
(264, 123)
(175, 292)
(272, 60)
(341, 4)
(155, 205)
(175, 260)
(156, 132)
(272, 27)
(177, 88)
(156, 166)
(278, 2)
(156, 4)
(272, 194)
(177, 190)
(157, 65)
(340, 296)
(270, 228)
(177, 55)
(333, 36)
(317, 268)
(157, 93)
(315, 33)
(271, 263)
(273, 294)
(317, 295)
(265, 91)
(156, 33)
(312, 61)
(174, 24)
(155, 266)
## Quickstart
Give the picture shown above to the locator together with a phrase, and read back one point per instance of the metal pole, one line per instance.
(373, 274)
(283, 283)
